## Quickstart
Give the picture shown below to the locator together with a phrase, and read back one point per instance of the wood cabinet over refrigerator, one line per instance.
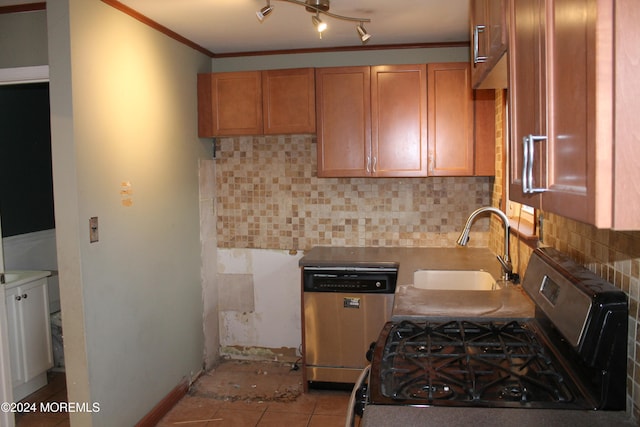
(574, 95)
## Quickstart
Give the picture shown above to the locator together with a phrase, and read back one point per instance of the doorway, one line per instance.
(26, 185)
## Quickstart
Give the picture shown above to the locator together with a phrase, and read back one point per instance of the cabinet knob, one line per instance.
(24, 296)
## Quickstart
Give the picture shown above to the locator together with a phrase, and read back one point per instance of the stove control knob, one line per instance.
(361, 400)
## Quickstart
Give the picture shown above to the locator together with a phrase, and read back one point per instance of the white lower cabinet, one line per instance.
(29, 336)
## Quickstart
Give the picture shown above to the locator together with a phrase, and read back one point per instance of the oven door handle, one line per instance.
(351, 409)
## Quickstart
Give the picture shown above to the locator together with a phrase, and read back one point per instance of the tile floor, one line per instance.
(235, 394)
(257, 394)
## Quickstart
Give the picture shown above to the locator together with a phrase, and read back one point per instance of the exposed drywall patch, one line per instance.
(238, 328)
(235, 261)
(235, 292)
(274, 318)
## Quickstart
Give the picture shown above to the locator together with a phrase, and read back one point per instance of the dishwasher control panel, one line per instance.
(350, 279)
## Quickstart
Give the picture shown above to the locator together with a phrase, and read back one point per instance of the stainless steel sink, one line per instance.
(454, 280)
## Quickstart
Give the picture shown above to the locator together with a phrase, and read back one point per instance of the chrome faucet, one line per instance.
(505, 261)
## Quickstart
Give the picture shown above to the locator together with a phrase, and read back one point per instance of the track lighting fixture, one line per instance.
(264, 12)
(319, 7)
(362, 33)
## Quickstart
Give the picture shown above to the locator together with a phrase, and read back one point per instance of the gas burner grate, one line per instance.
(466, 361)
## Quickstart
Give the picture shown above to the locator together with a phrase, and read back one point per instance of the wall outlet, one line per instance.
(93, 229)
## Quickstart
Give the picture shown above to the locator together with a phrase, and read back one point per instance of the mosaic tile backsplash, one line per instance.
(268, 196)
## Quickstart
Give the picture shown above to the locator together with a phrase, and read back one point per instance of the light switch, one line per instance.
(93, 229)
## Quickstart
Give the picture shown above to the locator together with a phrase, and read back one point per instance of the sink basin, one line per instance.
(454, 280)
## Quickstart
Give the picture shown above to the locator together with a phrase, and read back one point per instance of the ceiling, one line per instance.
(231, 26)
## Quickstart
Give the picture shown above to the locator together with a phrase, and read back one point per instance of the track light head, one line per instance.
(317, 22)
(362, 33)
(264, 12)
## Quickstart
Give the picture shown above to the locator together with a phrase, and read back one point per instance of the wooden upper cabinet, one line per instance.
(289, 102)
(571, 113)
(343, 97)
(256, 102)
(372, 121)
(450, 120)
(398, 120)
(489, 40)
(403, 121)
(230, 104)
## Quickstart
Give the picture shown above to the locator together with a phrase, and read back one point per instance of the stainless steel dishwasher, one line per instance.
(345, 308)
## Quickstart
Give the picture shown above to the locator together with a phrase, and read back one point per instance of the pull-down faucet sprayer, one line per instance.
(504, 260)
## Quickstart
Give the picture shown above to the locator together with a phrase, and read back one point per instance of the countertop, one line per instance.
(411, 303)
(407, 416)
(15, 278)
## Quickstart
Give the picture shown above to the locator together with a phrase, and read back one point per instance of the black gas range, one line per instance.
(572, 355)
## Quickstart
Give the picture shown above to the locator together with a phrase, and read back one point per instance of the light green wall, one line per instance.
(335, 59)
(23, 39)
(124, 111)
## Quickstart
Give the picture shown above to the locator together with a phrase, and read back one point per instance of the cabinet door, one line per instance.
(571, 125)
(229, 104)
(450, 119)
(29, 331)
(36, 330)
(527, 95)
(398, 120)
(343, 97)
(14, 331)
(289, 102)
